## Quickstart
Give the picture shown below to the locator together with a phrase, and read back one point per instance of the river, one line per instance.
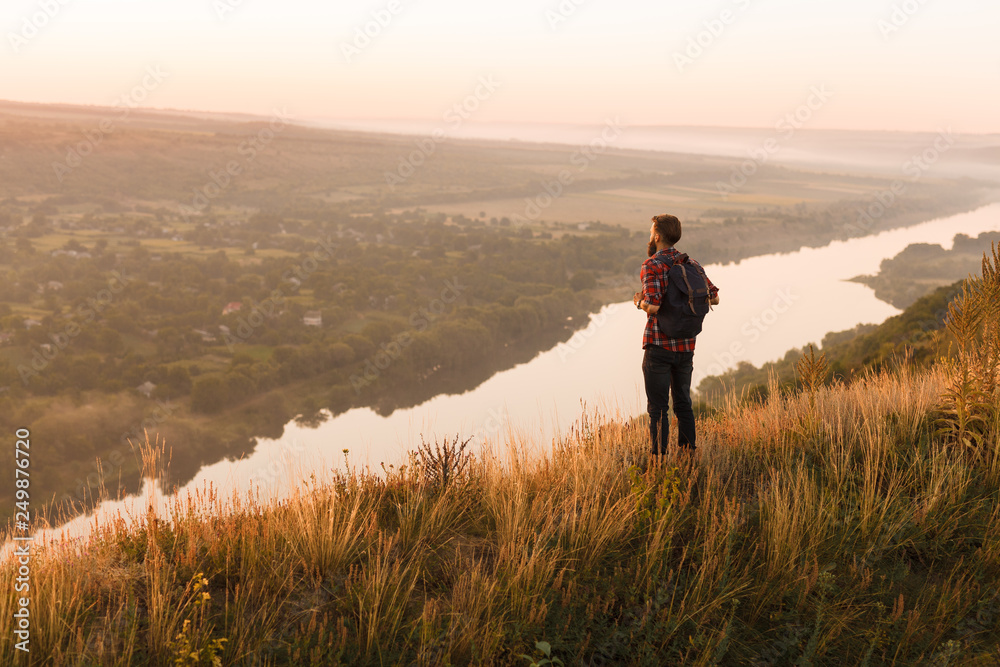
(769, 304)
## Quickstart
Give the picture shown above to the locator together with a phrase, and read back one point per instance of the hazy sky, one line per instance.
(884, 64)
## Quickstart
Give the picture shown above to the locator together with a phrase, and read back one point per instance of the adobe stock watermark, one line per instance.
(713, 29)
(490, 427)
(774, 654)
(561, 13)
(934, 323)
(914, 168)
(581, 159)
(86, 488)
(581, 337)
(751, 331)
(271, 307)
(785, 129)
(93, 138)
(223, 8)
(219, 180)
(454, 117)
(902, 13)
(87, 312)
(365, 34)
(33, 24)
(276, 471)
(419, 322)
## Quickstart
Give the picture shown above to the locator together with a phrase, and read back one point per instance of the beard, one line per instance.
(651, 249)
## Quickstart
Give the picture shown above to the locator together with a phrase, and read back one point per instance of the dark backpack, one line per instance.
(686, 301)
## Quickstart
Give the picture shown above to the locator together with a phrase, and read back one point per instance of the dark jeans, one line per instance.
(665, 373)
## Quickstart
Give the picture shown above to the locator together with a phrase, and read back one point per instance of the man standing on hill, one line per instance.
(669, 362)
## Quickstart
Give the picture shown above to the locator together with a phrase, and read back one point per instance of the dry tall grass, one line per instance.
(832, 527)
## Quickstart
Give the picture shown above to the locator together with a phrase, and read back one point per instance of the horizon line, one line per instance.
(305, 121)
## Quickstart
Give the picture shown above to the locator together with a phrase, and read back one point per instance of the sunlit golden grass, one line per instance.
(835, 528)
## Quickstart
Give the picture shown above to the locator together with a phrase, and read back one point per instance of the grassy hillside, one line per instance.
(840, 533)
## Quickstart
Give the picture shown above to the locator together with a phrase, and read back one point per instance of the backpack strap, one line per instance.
(669, 262)
(690, 292)
(705, 278)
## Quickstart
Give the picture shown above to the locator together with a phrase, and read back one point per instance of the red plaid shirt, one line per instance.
(654, 285)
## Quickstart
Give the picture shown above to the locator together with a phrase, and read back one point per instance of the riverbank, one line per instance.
(834, 528)
(922, 268)
(194, 440)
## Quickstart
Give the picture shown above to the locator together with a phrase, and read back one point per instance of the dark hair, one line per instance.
(668, 227)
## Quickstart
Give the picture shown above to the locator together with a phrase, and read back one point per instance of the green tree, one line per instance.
(582, 280)
(209, 394)
(341, 354)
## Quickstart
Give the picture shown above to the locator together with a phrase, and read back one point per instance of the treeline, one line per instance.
(397, 353)
(123, 315)
(922, 267)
